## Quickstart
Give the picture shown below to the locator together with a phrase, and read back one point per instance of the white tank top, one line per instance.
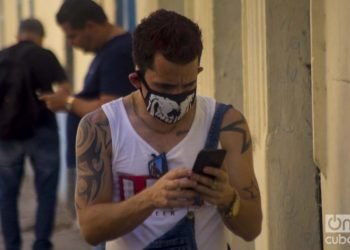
(130, 156)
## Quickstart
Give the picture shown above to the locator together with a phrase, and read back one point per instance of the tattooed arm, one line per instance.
(100, 219)
(235, 177)
(235, 138)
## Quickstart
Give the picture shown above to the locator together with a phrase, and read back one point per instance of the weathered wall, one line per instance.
(2, 23)
(291, 171)
(255, 98)
(11, 24)
(277, 56)
(336, 182)
(319, 88)
(228, 52)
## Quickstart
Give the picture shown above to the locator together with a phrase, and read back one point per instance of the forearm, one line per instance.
(107, 221)
(82, 106)
(247, 223)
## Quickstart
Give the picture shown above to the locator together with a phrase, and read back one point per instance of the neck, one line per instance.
(109, 32)
(31, 38)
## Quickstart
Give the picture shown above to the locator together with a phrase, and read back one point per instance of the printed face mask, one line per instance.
(168, 108)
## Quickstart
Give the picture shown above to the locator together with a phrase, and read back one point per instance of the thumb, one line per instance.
(180, 172)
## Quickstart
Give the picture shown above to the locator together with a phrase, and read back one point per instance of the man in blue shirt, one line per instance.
(86, 27)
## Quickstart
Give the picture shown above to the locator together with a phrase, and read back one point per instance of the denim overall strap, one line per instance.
(214, 130)
(180, 237)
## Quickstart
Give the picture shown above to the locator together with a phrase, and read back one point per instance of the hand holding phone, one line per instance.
(208, 157)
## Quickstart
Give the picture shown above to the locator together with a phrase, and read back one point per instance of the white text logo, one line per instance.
(337, 223)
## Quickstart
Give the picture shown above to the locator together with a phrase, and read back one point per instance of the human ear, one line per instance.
(135, 80)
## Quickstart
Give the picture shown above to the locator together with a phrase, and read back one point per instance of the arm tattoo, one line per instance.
(92, 142)
(251, 192)
(234, 126)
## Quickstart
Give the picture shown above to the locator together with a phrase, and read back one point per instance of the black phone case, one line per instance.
(208, 157)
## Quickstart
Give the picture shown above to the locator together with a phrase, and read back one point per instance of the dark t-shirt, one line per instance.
(45, 70)
(108, 74)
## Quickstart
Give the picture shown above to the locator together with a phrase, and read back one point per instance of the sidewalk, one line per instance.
(66, 235)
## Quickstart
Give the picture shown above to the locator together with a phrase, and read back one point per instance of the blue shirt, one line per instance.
(108, 74)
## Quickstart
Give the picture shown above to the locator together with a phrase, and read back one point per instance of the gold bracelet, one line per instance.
(234, 207)
(69, 103)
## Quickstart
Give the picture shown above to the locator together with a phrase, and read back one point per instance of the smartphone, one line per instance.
(208, 157)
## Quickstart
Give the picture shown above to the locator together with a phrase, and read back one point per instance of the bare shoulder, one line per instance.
(233, 115)
(97, 116)
(92, 125)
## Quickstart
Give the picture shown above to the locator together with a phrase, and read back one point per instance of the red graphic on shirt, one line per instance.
(130, 185)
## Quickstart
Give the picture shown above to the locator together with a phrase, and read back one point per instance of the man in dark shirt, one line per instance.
(42, 147)
(86, 27)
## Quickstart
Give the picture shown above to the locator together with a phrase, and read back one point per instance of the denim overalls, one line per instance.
(182, 235)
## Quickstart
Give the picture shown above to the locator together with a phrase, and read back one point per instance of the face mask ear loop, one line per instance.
(140, 76)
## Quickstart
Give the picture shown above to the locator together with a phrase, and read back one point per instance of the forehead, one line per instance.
(163, 67)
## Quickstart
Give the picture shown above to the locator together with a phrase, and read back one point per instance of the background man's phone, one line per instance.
(208, 157)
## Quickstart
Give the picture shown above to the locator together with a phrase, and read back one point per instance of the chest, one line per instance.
(137, 148)
(161, 142)
(134, 143)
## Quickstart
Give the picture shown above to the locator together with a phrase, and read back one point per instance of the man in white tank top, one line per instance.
(135, 155)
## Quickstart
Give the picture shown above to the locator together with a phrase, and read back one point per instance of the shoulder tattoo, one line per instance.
(237, 127)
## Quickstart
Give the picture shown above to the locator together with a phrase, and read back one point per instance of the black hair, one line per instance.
(31, 25)
(77, 12)
(176, 37)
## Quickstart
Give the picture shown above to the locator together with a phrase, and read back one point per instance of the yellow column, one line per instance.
(255, 97)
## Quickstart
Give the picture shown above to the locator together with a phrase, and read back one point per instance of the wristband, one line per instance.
(234, 207)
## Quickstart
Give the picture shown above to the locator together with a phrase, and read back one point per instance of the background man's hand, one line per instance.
(55, 101)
